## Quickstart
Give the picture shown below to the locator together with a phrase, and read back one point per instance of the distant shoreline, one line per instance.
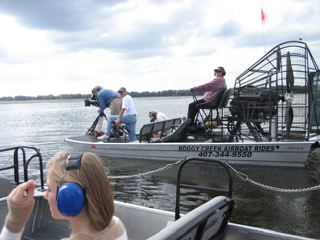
(166, 93)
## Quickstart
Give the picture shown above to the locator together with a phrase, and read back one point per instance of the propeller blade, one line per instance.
(289, 117)
(289, 94)
(289, 75)
(278, 59)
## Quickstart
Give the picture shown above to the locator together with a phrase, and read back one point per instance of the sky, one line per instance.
(70, 46)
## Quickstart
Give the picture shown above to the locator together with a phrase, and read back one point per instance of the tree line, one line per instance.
(165, 93)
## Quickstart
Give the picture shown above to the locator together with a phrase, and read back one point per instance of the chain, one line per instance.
(242, 176)
(170, 165)
(245, 177)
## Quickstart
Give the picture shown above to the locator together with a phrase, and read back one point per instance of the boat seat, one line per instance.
(225, 98)
(219, 102)
(179, 135)
(214, 103)
(148, 130)
(208, 221)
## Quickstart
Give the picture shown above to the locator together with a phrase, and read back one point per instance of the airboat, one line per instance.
(270, 117)
(210, 220)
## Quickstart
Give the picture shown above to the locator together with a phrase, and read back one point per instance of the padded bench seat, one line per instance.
(148, 130)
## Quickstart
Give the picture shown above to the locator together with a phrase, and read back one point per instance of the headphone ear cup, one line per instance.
(70, 199)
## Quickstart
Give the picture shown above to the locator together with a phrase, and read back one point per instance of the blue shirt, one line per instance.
(105, 97)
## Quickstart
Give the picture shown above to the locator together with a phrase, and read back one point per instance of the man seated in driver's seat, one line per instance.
(210, 89)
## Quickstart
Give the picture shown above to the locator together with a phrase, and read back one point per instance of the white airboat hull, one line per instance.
(293, 154)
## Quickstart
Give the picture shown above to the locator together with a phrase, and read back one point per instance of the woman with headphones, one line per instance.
(78, 191)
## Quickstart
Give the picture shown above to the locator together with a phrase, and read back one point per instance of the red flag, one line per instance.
(264, 17)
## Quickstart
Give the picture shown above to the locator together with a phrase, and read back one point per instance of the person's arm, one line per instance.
(121, 113)
(20, 204)
(209, 86)
(7, 235)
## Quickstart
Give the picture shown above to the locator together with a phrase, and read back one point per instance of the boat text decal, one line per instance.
(227, 151)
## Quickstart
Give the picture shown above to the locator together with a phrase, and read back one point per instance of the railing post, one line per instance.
(16, 166)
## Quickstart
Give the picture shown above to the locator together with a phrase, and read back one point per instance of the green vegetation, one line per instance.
(165, 93)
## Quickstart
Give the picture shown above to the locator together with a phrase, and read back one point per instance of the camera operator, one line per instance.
(127, 115)
(107, 98)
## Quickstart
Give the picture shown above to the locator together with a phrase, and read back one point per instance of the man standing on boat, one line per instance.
(107, 98)
(211, 91)
(127, 115)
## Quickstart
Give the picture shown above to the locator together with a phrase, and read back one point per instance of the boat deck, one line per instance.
(92, 139)
(60, 230)
(6, 186)
(85, 138)
(42, 226)
(51, 231)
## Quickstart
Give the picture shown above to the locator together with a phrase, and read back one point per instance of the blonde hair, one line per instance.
(93, 179)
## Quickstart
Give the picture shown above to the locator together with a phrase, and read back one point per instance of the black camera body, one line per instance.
(91, 101)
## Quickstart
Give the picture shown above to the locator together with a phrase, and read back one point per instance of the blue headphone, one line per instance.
(70, 195)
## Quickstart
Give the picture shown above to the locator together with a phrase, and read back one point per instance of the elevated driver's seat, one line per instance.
(219, 102)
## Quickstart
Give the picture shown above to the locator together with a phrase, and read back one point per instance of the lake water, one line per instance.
(45, 124)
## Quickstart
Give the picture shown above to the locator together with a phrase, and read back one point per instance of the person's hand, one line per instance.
(20, 204)
(117, 122)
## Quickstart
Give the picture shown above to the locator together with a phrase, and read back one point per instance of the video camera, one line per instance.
(91, 101)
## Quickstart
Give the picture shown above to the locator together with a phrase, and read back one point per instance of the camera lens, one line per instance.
(86, 102)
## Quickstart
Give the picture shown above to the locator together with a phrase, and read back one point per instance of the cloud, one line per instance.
(3, 54)
(56, 15)
(129, 27)
(228, 29)
(142, 44)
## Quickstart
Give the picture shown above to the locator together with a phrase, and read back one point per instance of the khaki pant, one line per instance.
(115, 106)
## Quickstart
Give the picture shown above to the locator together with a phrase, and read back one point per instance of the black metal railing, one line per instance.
(220, 190)
(26, 159)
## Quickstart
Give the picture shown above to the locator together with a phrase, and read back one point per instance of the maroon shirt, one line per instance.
(212, 88)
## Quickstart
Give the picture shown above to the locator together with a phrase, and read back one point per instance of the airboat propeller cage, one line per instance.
(278, 97)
